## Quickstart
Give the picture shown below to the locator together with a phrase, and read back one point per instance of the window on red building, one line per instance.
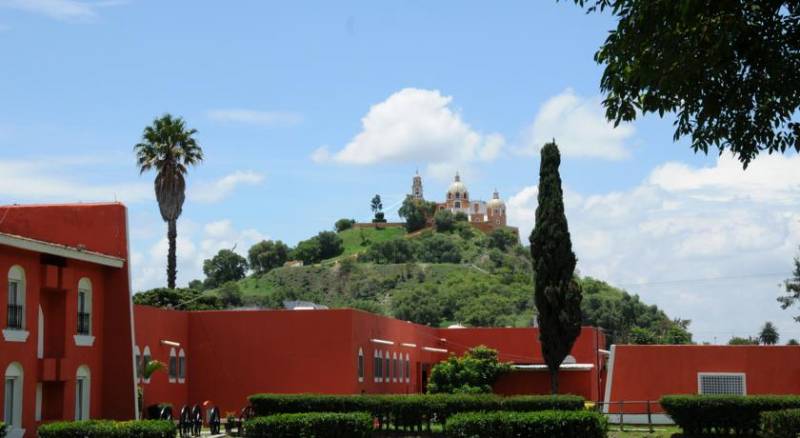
(173, 366)
(181, 366)
(16, 299)
(360, 365)
(387, 371)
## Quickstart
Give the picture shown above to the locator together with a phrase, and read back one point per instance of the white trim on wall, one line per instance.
(60, 250)
(609, 377)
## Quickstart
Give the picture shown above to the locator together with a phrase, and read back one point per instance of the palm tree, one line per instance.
(168, 146)
(148, 370)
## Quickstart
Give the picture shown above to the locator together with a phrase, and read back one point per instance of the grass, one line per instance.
(639, 431)
(353, 239)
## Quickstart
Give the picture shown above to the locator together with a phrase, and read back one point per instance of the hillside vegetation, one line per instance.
(438, 278)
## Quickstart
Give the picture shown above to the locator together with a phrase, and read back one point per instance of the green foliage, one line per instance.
(557, 294)
(408, 410)
(181, 299)
(792, 286)
(359, 240)
(224, 267)
(418, 304)
(343, 224)
(792, 342)
(2, 429)
(376, 205)
(108, 429)
(416, 213)
(324, 245)
(267, 255)
(769, 334)
(461, 217)
(439, 249)
(503, 239)
(736, 340)
(643, 336)
(780, 424)
(310, 425)
(702, 415)
(473, 373)
(739, 63)
(391, 251)
(489, 310)
(230, 294)
(445, 221)
(547, 424)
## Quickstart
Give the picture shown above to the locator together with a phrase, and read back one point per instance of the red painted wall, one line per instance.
(100, 228)
(233, 354)
(647, 372)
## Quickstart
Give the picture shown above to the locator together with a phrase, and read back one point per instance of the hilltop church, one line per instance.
(484, 215)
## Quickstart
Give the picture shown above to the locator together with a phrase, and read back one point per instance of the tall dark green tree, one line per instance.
(169, 147)
(728, 70)
(792, 286)
(557, 294)
(376, 205)
(769, 334)
(224, 267)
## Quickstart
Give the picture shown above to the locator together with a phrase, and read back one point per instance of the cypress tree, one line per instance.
(557, 294)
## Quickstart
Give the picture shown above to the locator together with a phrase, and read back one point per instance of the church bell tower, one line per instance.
(416, 187)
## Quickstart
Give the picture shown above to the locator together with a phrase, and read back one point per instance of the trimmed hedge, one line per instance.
(781, 424)
(312, 425)
(108, 429)
(700, 415)
(545, 424)
(409, 411)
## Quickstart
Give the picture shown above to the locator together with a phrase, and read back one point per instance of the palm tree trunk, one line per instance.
(172, 235)
(554, 382)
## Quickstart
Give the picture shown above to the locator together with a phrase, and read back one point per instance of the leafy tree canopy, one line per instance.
(181, 299)
(415, 212)
(473, 373)
(343, 224)
(769, 334)
(503, 239)
(728, 69)
(444, 220)
(736, 340)
(224, 267)
(267, 255)
(792, 286)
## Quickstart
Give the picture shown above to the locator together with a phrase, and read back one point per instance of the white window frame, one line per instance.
(181, 366)
(387, 368)
(377, 364)
(85, 287)
(360, 365)
(16, 274)
(137, 357)
(172, 366)
(394, 367)
(83, 380)
(16, 374)
(713, 374)
(146, 354)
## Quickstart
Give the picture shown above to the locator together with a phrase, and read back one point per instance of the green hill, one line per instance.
(461, 276)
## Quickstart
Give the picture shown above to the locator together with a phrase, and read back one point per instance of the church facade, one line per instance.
(485, 215)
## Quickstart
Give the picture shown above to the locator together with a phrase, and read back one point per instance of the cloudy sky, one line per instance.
(305, 111)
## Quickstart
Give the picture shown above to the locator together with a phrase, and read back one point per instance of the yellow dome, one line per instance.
(457, 186)
(495, 202)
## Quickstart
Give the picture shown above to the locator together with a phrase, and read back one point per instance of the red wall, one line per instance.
(100, 228)
(647, 372)
(233, 354)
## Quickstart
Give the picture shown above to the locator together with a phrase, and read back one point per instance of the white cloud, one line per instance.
(415, 125)
(221, 188)
(254, 117)
(64, 10)
(579, 127)
(61, 180)
(739, 228)
(194, 245)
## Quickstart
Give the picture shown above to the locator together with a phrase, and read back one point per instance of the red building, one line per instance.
(225, 356)
(66, 350)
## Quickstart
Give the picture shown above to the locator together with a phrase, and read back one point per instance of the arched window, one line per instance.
(458, 204)
(173, 365)
(85, 307)
(395, 368)
(16, 298)
(378, 366)
(458, 195)
(12, 396)
(137, 356)
(360, 365)
(83, 379)
(181, 366)
(387, 368)
(408, 368)
(146, 358)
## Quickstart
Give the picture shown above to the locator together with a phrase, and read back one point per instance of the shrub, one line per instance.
(445, 220)
(311, 425)
(2, 429)
(545, 424)
(473, 373)
(408, 410)
(108, 429)
(781, 424)
(700, 415)
(343, 224)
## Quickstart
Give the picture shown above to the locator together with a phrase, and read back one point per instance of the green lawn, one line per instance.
(353, 238)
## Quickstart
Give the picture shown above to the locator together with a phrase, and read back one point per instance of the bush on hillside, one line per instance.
(108, 429)
(780, 424)
(416, 213)
(444, 220)
(503, 239)
(310, 425)
(179, 298)
(547, 424)
(700, 415)
(343, 224)
(439, 249)
(225, 266)
(419, 305)
(390, 252)
(267, 255)
(324, 245)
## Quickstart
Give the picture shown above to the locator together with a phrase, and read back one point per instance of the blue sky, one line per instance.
(307, 110)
